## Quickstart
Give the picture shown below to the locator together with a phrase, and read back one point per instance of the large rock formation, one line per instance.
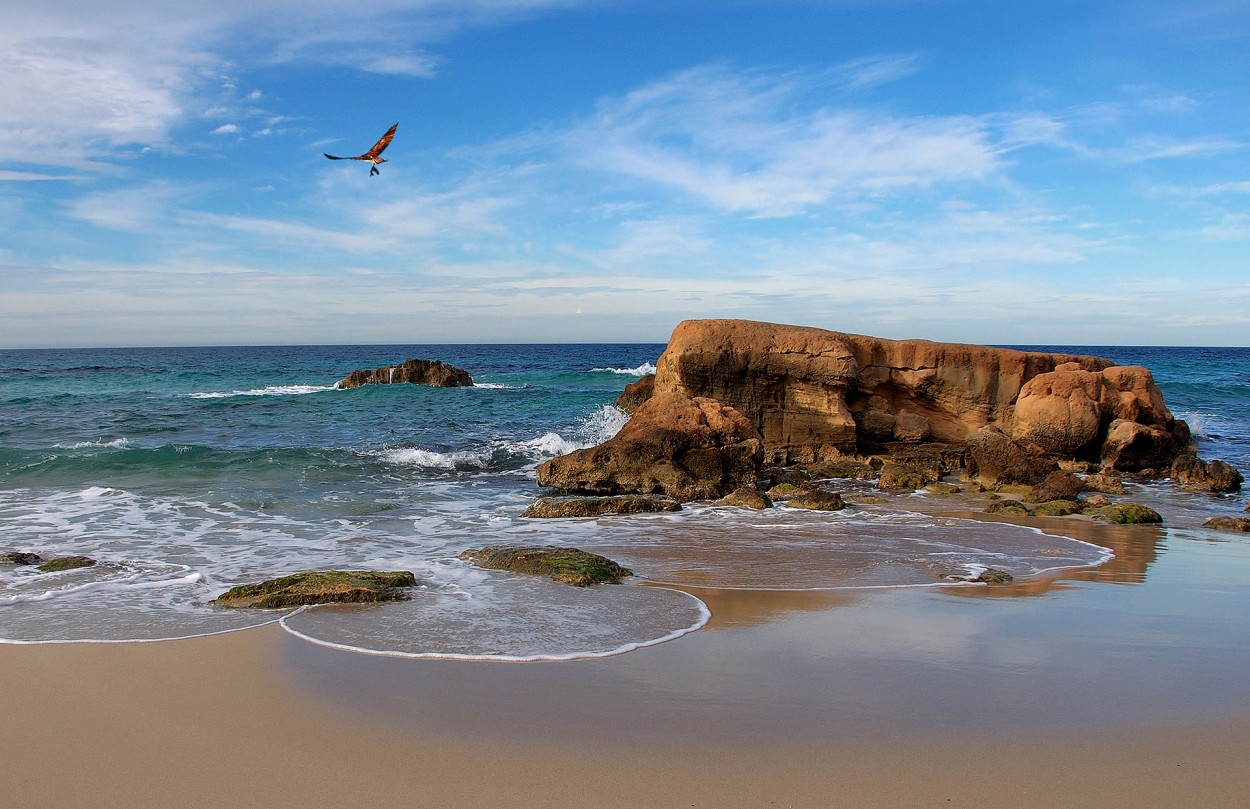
(416, 372)
(687, 448)
(816, 395)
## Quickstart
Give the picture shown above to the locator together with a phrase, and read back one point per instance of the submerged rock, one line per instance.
(414, 372)
(558, 507)
(1241, 524)
(66, 563)
(321, 587)
(565, 565)
(20, 558)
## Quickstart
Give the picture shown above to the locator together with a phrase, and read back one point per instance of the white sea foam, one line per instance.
(116, 443)
(272, 390)
(498, 386)
(641, 370)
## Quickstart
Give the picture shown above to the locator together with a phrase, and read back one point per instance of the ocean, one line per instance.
(185, 471)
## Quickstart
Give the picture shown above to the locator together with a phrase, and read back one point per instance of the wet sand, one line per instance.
(1122, 686)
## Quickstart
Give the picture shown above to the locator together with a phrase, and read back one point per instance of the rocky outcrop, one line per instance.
(636, 393)
(415, 372)
(815, 395)
(557, 507)
(321, 587)
(686, 448)
(565, 565)
(1213, 476)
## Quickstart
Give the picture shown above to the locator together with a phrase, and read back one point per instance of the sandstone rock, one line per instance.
(817, 499)
(776, 476)
(911, 428)
(943, 488)
(565, 565)
(804, 388)
(1241, 524)
(1096, 501)
(636, 393)
(1131, 447)
(557, 507)
(852, 468)
(65, 563)
(1107, 484)
(1056, 486)
(689, 449)
(903, 478)
(1060, 412)
(997, 460)
(20, 558)
(416, 372)
(1056, 508)
(784, 491)
(320, 587)
(746, 497)
(1213, 476)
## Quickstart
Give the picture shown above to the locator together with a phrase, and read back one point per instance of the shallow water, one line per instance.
(187, 471)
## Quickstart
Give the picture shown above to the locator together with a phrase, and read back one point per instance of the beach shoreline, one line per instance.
(1068, 691)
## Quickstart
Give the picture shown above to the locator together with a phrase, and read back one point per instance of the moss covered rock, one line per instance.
(321, 587)
(817, 500)
(1009, 507)
(565, 565)
(746, 497)
(903, 478)
(65, 563)
(557, 507)
(1056, 508)
(1126, 514)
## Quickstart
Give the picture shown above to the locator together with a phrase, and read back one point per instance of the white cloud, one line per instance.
(226, 129)
(737, 142)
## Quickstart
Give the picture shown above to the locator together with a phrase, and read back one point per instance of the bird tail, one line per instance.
(332, 157)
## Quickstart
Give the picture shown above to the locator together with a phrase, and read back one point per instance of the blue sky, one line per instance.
(592, 170)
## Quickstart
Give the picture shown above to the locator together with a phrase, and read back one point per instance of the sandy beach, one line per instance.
(1122, 686)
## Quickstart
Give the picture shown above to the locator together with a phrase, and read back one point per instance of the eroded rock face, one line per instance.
(687, 448)
(415, 372)
(816, 395)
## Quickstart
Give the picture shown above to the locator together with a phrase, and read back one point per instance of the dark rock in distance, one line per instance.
(66, 563)
(415, 372)
(558, 507)
(20, 558)
(321, 587)
(1241, 524)
(571, 566)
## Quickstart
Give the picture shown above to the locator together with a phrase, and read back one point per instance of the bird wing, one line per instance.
(382, 143)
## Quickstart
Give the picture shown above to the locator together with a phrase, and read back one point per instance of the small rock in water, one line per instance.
(1228, 524)
(746, 497)
(1126, 514)
(817, 500)
(557, 507)
(321, 587)
(20, 558)
(65, 563)
(565, 565)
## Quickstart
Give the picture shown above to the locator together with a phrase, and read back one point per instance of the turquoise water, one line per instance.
(187, 471)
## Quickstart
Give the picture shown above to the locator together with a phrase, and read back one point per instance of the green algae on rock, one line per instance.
(746, 497)
(1126, 514)
(817, 500)
(565, 565)
(65, 563)
(557, 507)
(321, 587)
(20, 558)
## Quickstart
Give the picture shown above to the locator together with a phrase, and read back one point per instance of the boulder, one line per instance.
(1241, 524)
(565, 565)
(555, 507)
(1056, 508)
(1056, 486)
(746, 497)
(320, 587)
(636, 393)
(1107, 484)
(1131, 447)
(686, 448)
(1213, 476)
(816, 499)
(1125, 514)
(20, 558)
(1009, 507)
(996, 460)
(415, 372)
(903, 478)
(65, 563)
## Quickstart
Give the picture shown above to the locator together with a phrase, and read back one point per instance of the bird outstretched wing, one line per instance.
(377, 149)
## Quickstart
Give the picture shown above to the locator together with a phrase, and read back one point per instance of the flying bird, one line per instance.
(374, 154)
